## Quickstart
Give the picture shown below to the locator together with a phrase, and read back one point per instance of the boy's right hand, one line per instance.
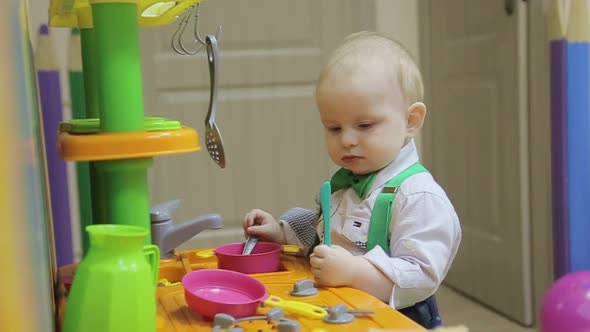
(264, 226)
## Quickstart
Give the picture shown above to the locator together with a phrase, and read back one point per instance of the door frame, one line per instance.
(537, 68)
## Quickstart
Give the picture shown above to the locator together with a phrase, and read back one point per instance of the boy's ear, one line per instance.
(416, 115)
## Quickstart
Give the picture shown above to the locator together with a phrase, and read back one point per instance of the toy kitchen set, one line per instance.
(131, 277)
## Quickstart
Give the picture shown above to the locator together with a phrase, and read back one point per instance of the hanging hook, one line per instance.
(196, 30)
(177, 43)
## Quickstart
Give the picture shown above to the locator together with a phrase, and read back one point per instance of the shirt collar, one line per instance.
(407, 157)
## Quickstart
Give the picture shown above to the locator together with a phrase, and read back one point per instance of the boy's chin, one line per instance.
(366, 169)
(360, 170)
(360, 166)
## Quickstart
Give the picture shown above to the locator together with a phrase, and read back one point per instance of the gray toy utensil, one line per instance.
(249, 245)
(213, 139)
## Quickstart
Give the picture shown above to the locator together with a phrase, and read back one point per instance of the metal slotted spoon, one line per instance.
(213, 139)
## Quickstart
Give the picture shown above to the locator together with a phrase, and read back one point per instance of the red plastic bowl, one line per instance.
(264, 258)
(210, 291)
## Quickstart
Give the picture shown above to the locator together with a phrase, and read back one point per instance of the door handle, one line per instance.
(509, 6)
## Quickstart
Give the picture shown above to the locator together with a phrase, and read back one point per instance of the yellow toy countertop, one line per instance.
(174, 314)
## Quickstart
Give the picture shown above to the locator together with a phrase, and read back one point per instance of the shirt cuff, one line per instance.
(407, 288)
(291, 237)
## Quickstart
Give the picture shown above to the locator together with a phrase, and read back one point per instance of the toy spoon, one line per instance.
(325, 197)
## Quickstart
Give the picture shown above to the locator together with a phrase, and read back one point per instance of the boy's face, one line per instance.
(365, 123)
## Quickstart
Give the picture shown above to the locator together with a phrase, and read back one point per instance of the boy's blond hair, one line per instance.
(391, 56)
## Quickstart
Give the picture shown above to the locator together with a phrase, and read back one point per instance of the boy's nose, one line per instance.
(349, 138)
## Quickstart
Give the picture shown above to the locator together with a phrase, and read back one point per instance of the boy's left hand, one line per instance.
(332, 266)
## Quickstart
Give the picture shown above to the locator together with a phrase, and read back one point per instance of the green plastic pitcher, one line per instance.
(114, 288)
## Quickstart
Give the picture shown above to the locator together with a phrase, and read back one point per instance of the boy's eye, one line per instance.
(366, 125)
(333, 129)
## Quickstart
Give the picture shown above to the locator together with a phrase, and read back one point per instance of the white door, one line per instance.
(271, 53)
(476, 144)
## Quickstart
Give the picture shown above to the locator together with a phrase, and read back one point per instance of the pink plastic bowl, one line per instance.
(208, 292)
(264, 258)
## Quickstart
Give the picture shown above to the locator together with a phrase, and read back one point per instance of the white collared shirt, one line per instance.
(424, 229)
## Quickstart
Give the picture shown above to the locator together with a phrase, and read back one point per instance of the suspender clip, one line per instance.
(389, 190)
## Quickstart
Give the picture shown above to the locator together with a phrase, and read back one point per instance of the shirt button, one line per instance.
(364, 239)
(409, 244)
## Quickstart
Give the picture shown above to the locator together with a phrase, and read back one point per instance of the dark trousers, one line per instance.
(424, 313)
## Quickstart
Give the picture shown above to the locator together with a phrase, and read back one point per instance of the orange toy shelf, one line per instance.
(84, 143)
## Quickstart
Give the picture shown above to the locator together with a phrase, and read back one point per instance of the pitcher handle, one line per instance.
(152, 253)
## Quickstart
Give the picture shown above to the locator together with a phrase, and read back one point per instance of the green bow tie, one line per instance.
(360, 183)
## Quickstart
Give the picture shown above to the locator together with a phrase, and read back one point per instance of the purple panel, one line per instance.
(51, 108)
(559, 157)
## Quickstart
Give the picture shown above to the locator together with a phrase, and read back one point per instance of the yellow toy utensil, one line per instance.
(301, 308)
(165, 283)
(207, 253)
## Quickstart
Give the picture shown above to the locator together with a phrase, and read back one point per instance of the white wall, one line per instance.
(399, 19)
(396, 18)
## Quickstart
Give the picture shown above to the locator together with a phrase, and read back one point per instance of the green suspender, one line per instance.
(381, 217)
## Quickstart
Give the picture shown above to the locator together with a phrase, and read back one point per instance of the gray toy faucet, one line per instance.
(167, 236)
